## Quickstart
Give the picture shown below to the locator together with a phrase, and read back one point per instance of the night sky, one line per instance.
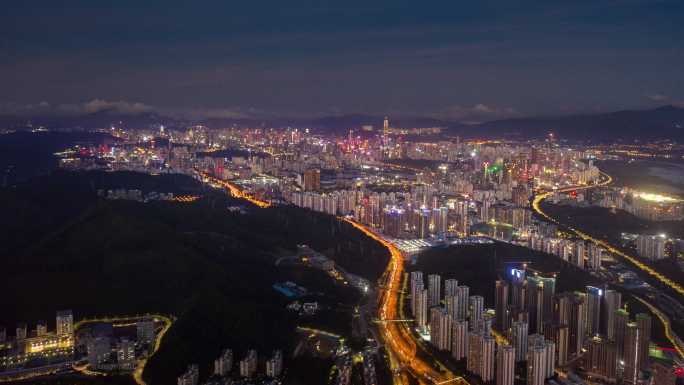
(461, 60)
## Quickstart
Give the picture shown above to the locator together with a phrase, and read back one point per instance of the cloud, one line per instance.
(665, 99)
(477, 113)
(101, 105)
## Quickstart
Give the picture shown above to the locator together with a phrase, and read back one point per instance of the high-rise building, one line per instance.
(459, 339)
(476, 312)
(488, 318)
(41, 328)
(487, 359)
(21, 331)
(422, 310)
(463, 295)
(190, 377)
(440, 328)
(65, 322)
(125, 354)
(535, 304)
(501, 306)
(145, 331)
(434, 289)
(450, 287)
(474, 353)
(643, 322)
(631, 352)
(612, 301)
(600, 359)
(224, 363)
(519, 332)
(505, 365)
(312, 180)
(621, 319)
(452, 306)
(274, 366)
(540, 359)
(248, 365)
(594, 300)
(416, 287)
(651, 246)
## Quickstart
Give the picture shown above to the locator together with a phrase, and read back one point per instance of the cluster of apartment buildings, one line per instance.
(247, 369)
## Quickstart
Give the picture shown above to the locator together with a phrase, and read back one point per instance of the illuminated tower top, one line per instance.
(385, 126)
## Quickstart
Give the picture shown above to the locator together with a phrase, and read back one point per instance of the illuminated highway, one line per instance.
(676, 342)
(396, 335)
(536, 205)
(235, 191)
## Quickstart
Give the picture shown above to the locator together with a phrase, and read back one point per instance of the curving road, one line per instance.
(536, 206)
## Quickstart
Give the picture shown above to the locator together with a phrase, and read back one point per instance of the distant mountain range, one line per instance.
(665, 122)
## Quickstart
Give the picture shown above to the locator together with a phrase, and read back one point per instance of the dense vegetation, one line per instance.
(63, 247)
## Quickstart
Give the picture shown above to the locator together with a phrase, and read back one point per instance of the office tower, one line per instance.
(460, 339)
(65, 322)
(224, 363)
(631, 352)
(450, 287)
(600, 358)
(41, 328)
(274, 366)
(190, 377)
(443, 220)
(440, 328)
(620, 326)
(476, 312)
(594, 299)
(145, 331)
(474, 353)
(643, 322)
(312, 180)
(612, 301)
(21, 331)
(505, 365)
(487, 359)
(434, 289)
(125, 354)
(519, 332)
(501, 305)
(422, 310)
(416, 287)
(462, 293)
(248, 365)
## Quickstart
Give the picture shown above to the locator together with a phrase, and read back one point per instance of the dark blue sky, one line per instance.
(462, 60)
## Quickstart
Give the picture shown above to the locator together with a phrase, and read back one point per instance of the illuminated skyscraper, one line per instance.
(476, 312)
(462, 293)
(612, 301)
